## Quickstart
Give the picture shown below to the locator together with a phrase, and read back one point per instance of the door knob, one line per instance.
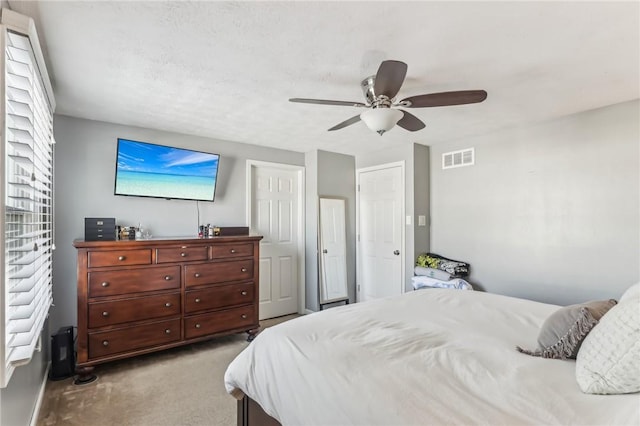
(324, 251)
(396, 252)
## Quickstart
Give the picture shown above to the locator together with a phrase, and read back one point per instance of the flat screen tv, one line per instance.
(149, 170)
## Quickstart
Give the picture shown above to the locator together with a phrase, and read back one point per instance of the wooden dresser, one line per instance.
(142, 296)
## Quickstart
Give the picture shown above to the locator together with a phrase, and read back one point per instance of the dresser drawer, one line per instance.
(218, 272)
(180, 254)
(131, 338)
(215, 322)
(119, 258)
(136, 309)
(109, 283)
(219, 297)
(231, 250)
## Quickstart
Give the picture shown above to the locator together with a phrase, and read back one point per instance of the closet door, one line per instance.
(333, 251)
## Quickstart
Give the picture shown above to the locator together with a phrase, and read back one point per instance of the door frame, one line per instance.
(403, 229)
(251, 164)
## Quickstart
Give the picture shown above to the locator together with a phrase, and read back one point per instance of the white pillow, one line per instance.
(632, 292)
(607, 362)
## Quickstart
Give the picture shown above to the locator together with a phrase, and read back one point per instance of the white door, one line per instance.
(381, 238)
(333, 250)
(275, 209)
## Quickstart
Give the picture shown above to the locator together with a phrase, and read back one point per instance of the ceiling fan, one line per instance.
(380, 91)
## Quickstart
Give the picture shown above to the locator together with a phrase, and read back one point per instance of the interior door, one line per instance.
(380, 213)
(274, 212)
(333, 250)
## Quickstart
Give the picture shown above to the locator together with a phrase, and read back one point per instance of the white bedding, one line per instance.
(426, 357)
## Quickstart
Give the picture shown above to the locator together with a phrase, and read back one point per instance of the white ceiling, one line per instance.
(226, 70)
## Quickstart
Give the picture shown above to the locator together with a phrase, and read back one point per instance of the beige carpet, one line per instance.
(181, 386)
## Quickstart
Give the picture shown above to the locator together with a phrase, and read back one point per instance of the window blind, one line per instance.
(28, 203)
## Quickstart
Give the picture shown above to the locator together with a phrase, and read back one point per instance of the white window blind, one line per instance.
(28, 203)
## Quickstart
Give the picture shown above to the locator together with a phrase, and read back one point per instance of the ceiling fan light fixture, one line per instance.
(381, 120)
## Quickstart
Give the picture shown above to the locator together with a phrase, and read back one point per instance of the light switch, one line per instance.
(422, 220)
(408, 220)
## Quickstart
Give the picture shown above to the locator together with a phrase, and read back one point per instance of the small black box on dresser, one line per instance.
(99, 229)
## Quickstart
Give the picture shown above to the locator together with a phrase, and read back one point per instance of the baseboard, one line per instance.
(36, 409)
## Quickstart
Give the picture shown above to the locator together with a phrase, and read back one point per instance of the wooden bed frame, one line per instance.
(250, 413)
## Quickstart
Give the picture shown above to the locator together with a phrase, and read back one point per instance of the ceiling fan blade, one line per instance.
(410, 122)
(346, 123)
(389, 78)
(445, 99)
(327, 102)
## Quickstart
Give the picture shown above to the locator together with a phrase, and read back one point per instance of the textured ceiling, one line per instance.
(225, 70)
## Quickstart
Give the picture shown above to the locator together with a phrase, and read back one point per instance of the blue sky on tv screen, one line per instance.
(148, 158)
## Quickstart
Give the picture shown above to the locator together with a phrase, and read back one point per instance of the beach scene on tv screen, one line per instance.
(160, 171)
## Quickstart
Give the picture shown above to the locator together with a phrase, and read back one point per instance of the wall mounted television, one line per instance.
(149, 170)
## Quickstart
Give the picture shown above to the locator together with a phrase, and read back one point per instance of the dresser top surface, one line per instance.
(162, 241)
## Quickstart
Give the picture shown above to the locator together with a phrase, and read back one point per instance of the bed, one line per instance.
(435, 356)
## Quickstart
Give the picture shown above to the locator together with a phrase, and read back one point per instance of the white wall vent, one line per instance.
(464, 157)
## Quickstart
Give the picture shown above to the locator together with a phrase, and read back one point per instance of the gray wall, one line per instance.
(329, 174)
(18, 400)
(550, 212)
(421, 199)
(311, 228)
(416, 197)
(84, 180)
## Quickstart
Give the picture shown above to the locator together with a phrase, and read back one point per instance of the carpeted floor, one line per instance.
(177, 387)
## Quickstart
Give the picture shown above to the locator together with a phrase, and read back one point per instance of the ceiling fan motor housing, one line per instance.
(368, 89)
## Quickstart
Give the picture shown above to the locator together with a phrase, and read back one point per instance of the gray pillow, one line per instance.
(563, 332)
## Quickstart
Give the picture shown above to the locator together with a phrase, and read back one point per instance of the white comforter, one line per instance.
(427, 357)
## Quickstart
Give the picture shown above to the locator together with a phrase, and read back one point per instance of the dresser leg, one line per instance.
(85, 375)
(251, 334)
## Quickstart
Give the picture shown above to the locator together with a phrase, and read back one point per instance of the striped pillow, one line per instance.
(609, 360)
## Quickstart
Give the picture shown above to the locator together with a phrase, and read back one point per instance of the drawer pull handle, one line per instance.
(105, 343)
(232, 250)
(168, 304)
(244, 316)
(244, 293)
(197, 275)
(167, 331)
(167, 277)
(105, 314)
(183, 254)
(197, 325)
(105, 284)
(122, 257)
(197, 300)
(244, 269)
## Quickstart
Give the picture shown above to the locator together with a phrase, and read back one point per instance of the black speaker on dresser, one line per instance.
(63, 360)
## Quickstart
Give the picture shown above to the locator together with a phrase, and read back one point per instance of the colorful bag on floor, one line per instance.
(435, 261)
